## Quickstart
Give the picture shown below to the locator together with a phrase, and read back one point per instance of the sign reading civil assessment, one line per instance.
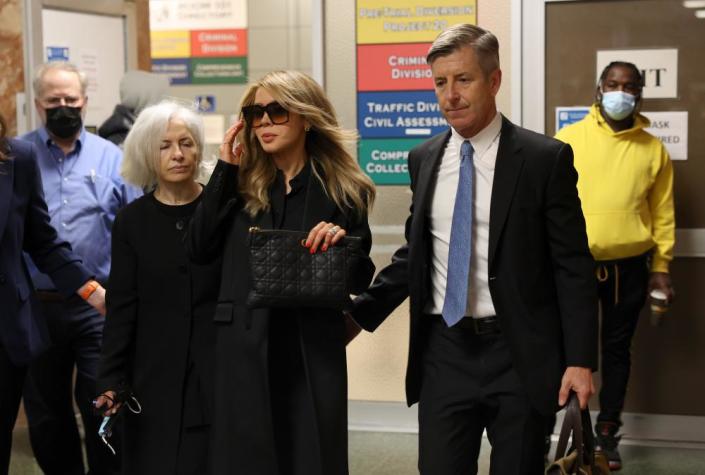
(199, 41)
(396, 105)
(399, 114)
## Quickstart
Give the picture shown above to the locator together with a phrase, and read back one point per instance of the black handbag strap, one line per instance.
(574, 422)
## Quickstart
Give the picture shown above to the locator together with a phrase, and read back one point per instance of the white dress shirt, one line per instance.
(485, 145)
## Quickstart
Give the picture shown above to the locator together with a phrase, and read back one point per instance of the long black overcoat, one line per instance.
(242, 429)
(158, 337)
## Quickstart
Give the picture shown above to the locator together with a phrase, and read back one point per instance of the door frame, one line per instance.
(690, 242)
(33, 38)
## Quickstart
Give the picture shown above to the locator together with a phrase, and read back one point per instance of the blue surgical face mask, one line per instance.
(618, 105)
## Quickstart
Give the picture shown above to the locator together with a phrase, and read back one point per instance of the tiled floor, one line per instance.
(379, 453)
(383, 453)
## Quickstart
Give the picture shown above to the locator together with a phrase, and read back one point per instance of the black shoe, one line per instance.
(607, 440)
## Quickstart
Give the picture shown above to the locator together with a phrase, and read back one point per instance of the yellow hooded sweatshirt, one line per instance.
(625, 183)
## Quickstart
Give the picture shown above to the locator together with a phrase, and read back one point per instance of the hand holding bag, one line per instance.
(583, 459)
(285, 274)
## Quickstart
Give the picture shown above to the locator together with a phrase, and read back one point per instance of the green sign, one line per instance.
(385, 160)
(219, 70)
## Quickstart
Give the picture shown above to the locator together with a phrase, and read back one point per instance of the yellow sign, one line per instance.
(171, 44)
(404, 21)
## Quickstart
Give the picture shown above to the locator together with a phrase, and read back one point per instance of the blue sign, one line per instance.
(399, 114)
(176, 68)
(205, 103)
(57, 53)
(569, 115)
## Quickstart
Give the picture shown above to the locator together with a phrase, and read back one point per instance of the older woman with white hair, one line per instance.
(159, 335)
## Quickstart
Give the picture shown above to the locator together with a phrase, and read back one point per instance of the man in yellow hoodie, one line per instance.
(625, 185)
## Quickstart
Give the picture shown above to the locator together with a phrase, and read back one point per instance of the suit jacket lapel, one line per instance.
(7, 172)
(507, 170)
(425, 181)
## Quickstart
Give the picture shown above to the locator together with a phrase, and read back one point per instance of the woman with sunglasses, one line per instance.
(281, 382)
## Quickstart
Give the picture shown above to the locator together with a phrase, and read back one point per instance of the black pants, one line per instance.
(622, 287)
(469, 385)
(11, 380)
(76, 330)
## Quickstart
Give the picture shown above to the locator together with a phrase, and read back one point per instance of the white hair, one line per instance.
(141, 148)
(38, 82)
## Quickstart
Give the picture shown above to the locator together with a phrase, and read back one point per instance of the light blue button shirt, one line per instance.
(84, 192)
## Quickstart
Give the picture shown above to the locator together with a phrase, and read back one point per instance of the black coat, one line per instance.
(540, 269)
(118, 125)
(159, 335)
(25, 226)
(243, 435)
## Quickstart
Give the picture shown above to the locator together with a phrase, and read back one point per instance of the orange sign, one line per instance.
(218, 43)
(399, 67)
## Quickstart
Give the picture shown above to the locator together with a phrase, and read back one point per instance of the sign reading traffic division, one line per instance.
(399, 114)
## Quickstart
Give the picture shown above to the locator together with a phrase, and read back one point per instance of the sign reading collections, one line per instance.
(396, 105)
(199, 41)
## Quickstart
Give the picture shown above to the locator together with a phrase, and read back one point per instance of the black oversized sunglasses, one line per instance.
(253, 114)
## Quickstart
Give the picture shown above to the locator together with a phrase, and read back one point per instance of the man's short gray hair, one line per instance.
(141, 152)
(483, 42)
(38, 82)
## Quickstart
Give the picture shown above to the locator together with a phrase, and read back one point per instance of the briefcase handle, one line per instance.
(578, 423)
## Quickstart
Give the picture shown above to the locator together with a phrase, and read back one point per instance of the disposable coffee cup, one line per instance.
(659, 306)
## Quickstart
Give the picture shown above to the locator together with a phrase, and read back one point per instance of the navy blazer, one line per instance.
(25, 226)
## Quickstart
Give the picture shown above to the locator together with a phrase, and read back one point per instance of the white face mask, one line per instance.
(618, 105)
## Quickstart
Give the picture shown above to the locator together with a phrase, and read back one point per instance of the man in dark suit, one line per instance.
(497, 267)
(25, 226)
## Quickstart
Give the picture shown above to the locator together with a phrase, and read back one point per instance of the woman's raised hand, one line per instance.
(324, 235)
(231, 149)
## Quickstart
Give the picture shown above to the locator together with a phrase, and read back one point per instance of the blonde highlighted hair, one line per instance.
(331, 163)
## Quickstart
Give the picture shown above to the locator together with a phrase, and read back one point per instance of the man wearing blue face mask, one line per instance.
(625, 186)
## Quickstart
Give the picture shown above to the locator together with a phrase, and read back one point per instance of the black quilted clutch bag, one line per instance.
(285, 274)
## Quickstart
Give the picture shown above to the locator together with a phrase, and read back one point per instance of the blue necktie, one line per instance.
(460, 242)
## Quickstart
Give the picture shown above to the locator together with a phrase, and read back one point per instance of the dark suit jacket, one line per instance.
(243, 437)
(25, 226)
(540, 269)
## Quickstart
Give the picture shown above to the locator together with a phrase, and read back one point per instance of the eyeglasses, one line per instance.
(255, 113)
